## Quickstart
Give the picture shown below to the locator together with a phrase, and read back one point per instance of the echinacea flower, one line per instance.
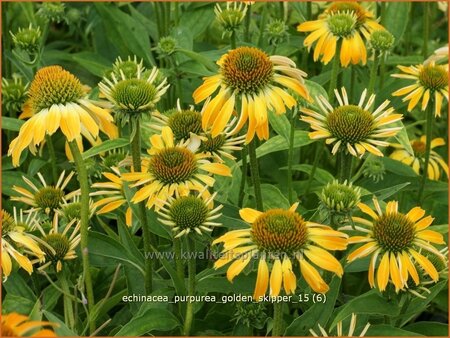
(339, 329)
(190, 214)
(399, 240)
(57, 100)
(184, 122)
(231, 17)
(14, 237)
(431, 82)
(17, 325)
(46, 198)
(133, 96)
(172, 169)
(281, 236)
(417, 159)
(250, 79)
(114, 195)
(346, 21)
(59, 245)
(355, 128)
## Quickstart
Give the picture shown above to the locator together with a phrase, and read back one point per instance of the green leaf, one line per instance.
(315, 90)
(12, 303)
(108, 252)
(397, 167)
(402, 137)
(396, 18)
(124, 32)
(319, 313)
(61, 329)
(105, 146)
(369, 303)
(320, 175)
(16, 285)
(279, 143)
(92, 62)
(273, 198)
(429, 328)
(9, 123)
(280, 124)
(210, 65)
(160, 320)
(383, 330)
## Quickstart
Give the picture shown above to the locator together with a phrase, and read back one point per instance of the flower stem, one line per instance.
(178, 259)
(51, 152)
(290, 157)
(247, 23)
(426, 28)
(382, 69)
(136, 155)
(429, 134)
(277, 319)
(334, 74)
(191, 287)
(69, 317)
(233, 40)
(373, 75)
(346, 161)
(84, 224)
(243, 177)
(317, 155)
(255, 174)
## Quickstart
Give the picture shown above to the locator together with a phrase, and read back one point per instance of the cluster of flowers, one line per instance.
(190, 146)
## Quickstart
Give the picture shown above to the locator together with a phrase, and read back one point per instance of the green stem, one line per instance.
(277, 319)
(383, 12)
(255, 174)
(262, 24)
(290, 157)
(191, 287)
(334, 74)
(308, 10)
(346, 161)
(429, 134)
(373, 75)
(233, 39)
(51, 151)
(136, 155)
(84, 224)
(352, 80)
(69, 317)
(317, 155)
(247, 23)
(178, 259)
(403, 309)
(426, 28)
(243, 177)
(382, 69)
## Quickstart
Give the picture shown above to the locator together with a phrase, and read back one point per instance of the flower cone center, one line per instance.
(341, 24)
(350, 124)
(212, 145)
(433, 77)
(188, 212)
(247, 70)
(340, 197)
(185, 122)
(60, 243)
(279, 232)
(48, 198)
(72, 211)
(349, 7)
(173, 165)
(134, 94)
(418, 148)
(394, 232)
(53, 85)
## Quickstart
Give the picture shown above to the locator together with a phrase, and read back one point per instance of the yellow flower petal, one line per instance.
(276, 277)
(383, 272)
(312, 277)
(249, 215)
(262, 280)
(237, 266)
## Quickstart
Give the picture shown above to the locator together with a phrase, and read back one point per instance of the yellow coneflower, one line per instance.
(15, 237)
(398, 240)
(281, 236)
(340, 331)
(57, 100)
(249, 75)
(184, 122)
(59, 246)
(348, 21)
(417, 159)
(190, 214)
(113, 188)
(173, 169)
(17, 325)
(46, 198)
(354, 127)
(431, 81)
